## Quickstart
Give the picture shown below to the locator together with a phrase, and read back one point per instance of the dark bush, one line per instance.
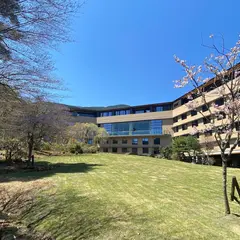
(76, 149)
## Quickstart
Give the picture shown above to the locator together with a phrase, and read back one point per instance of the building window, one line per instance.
(209, 88)
(134, 150)
(134, 128)
(134, 141)
(175, 129)
(115, 141)
(90, 141)
(105, 149)
(83, 114)
(122, 112)
(114, 150)
(108, 128)
(145, 141)
(167, 107)
(204, 108)
(156, 127)
(221, 129)
(184, 100)
(163, 108)
(237, 126)
(145, 150)
(124, 150)
(124, 141)
(219, 102)
(221, 115)
(156, 151)
(156, 141)
(184, 127)
(195, 123)
(206, 120)
(208, 133)
(106, 114)
(193, 112)
(175, 119)
(139, 111)
(175, 105)
(159, 108)
(184, 116)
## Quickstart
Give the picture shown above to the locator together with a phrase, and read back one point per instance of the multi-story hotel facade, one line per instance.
(143, 129)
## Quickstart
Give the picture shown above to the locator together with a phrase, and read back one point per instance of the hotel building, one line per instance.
(143, 129)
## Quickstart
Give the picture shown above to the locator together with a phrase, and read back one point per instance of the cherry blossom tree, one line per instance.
(216, 99)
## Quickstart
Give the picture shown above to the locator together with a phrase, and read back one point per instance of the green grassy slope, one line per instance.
(108, 196)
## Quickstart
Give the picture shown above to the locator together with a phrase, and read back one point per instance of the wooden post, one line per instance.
(234, 185)
(32, 160)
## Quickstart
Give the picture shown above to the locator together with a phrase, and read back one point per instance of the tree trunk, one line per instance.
(30, 148)
(8, 156)
(224, 174)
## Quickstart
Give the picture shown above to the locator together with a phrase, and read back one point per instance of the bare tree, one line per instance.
(28, 29)
(220, 98)
(208, 148)
(42, 120)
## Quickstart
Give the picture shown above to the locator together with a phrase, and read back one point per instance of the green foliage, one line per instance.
(75, 148)
(84, 132)
(185, 145)
(59, 147)
(166, 152)
(79, 148)
(45, 146)
(89, 148)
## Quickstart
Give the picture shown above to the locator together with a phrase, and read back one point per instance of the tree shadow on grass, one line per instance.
(46, 169)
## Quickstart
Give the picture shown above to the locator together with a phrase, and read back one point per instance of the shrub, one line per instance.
(175, 156)
(206, 160)
(185, 146)
(166, 152)
(59, 147)
(89, 148)
(14, 149)
(45, 146)
(76, 148)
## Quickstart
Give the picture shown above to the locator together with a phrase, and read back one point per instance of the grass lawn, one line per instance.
(107, 196)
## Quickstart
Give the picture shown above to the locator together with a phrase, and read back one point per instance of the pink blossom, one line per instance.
(192, 105)
(206, 80)
(194, 130)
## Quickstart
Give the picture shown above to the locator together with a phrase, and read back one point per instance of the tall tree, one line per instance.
(219, 96)
(41, 120)
(84, 132)
(185, 145)
(28, 29)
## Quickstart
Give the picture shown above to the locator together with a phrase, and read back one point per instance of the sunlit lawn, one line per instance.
(107, 196)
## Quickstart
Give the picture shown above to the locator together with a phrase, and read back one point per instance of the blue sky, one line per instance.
(123, 50)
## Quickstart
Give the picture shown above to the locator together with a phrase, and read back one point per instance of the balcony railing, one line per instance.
(136, 132)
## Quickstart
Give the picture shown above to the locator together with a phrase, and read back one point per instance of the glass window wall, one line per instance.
(153, 127)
